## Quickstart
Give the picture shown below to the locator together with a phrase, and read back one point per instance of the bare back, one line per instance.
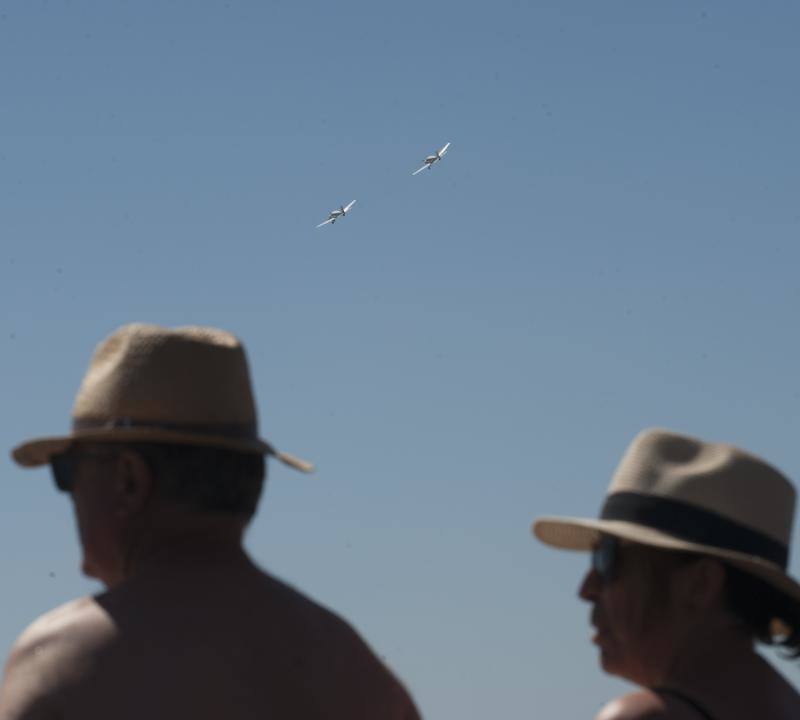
(204, 642)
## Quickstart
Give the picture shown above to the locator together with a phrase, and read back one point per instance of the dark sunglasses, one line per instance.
(605, 556)
(64, 464)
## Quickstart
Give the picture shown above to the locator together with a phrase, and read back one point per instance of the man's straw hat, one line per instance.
(145, 383)
(677, 492)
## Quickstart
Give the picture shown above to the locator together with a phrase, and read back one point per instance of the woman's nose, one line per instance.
(590, 586)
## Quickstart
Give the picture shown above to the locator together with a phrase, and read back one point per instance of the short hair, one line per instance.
(753, 602)
(204, 478)
(757, 604)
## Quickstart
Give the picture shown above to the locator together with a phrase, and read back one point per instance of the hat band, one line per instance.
(238, 431)
(692, 523)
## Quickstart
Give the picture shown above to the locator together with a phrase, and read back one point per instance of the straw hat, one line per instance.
(146, 383)
(678, 492)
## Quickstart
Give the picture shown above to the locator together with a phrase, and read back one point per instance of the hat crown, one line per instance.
(150, 374)
(717, 477)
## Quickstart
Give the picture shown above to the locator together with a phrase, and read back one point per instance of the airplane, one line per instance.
(334, 215)
(431, 159)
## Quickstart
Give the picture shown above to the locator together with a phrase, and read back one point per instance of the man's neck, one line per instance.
(182, 541)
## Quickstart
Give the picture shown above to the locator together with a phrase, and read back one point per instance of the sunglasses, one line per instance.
(605, 556)
(64, 465)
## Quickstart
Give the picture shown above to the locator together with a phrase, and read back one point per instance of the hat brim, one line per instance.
(570, 533)
(34, 453)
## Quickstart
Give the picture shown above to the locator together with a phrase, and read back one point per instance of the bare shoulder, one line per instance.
(321, 626)
(644, 705)
(347, 660)
(69, 630)
(69, 617)
(47, 656)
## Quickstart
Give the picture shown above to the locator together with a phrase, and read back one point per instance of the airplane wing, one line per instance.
(350, 205)
(420, 170)
(444, 150)
(329, 220)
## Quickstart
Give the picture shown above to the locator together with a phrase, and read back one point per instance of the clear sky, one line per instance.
(611, 243)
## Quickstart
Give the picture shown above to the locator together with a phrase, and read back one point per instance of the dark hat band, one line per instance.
(234, 431)
(694, 524)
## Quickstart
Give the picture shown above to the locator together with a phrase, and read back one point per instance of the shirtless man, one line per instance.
(165, 468)
(688, 571)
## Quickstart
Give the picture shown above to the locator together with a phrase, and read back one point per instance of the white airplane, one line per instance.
(431, 159)
(334, 215)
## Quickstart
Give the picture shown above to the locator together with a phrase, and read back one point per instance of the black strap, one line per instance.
(237, 431)
(685, 699)
(693, 523)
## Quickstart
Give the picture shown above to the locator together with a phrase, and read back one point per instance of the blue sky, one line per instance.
(611, 243)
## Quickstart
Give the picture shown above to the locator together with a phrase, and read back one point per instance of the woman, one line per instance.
(688, 570)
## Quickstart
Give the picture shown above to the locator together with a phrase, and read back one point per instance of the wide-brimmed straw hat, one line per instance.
(146, 383)
(677, 492)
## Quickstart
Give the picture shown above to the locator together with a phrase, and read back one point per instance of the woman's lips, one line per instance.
(597, 635)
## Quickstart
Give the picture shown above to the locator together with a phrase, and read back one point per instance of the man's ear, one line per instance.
(134, 483)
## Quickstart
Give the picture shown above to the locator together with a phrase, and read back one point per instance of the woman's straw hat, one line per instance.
(677, 492)
(146, 383)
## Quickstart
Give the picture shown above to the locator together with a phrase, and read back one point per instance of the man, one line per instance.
(165, 467)
(688, 569)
